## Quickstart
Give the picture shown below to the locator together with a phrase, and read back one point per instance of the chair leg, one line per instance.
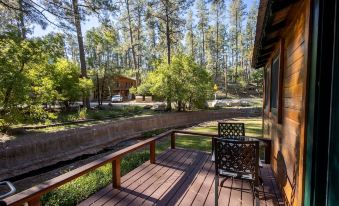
(256, 201)
(261, 181)
(223, 181)
(216, 190)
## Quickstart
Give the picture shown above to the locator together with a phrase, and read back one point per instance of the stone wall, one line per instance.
(32, 152)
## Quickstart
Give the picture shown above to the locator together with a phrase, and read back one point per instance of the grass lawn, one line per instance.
(82, 187)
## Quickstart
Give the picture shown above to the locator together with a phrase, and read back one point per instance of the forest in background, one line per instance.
(213, 38)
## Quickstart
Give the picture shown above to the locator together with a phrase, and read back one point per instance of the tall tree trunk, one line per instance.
(236, 46)
(192, 41)
(102, 87)
(203, 45)
(139, 46)
(77, 23)
(168, 41)
(22, 20)
(168, 38)
(225, 75)
(217, 47)
(98, 88)
(131, 35)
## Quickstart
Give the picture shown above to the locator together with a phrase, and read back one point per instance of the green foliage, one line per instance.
(20, 89)
(257, 77)
(143, 89)
(69, 87)
(31, 77)
(183, 81)
(153, 133)
(82, 113)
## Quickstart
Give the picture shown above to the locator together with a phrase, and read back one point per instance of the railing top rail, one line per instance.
(210, 134)
(49, 185)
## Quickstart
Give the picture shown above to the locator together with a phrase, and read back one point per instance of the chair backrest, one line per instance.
(234, 156)
(231, 130)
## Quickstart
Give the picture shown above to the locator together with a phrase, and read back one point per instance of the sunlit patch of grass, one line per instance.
(253, 126)
(205, 129)
(194, 142)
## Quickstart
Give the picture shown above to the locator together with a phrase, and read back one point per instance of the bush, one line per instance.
(183, 81)
(82, 114)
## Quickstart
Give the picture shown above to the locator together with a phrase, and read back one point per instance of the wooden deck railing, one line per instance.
(33, 195)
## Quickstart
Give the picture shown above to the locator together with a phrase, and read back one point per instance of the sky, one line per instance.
(91, 22)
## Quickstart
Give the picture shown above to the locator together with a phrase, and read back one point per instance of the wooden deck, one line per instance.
(183, 177)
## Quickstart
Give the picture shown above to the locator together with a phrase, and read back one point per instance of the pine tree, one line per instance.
(202, 15)
(249, 35)
(190, 36)
(218, 7)
(237, 13)
(70, 14)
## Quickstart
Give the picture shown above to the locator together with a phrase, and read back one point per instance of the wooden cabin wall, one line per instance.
(288, 134)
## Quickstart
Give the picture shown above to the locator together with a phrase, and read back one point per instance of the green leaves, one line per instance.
(184, 82)
(32, 76)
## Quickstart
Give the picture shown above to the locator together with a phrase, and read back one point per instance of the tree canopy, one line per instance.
(183, 81)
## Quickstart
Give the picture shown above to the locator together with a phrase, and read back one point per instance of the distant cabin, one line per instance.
(117, 85)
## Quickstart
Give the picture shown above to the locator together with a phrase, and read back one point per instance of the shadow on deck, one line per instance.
(183, 177)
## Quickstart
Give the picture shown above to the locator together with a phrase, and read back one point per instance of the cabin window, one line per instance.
(274, 85)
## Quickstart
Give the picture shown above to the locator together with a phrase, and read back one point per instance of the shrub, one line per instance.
(183, 81)
(82, 113)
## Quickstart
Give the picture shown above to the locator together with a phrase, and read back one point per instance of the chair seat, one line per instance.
(236, 175)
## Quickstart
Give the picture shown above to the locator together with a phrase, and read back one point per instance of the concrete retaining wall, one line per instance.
(32, 152)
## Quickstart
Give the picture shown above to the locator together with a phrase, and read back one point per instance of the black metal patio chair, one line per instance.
(231, 130)
(237, 159)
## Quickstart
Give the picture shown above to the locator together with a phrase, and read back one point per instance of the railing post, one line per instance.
(268, 152)
(35, 201)
(173, 140)
(152, 152)
(116, 173)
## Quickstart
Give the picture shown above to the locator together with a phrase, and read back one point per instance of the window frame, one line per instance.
(274, 110)
(267, 88)
(277, 113)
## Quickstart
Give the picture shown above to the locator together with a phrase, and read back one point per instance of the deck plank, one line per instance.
(177, 189)
(170, 181)
(95, 197)
(160, 186)
(193, 190)
(149, 170)
(184, 177)
(126, 190)
(149, 185)
(205, 188)
(246, 194)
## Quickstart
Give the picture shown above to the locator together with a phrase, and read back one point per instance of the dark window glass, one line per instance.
(267, 86)
(274, 83)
